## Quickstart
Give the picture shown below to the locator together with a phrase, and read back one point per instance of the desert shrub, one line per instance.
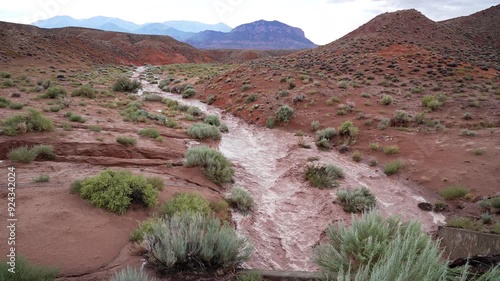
(356, 200)
(348, 131)
(44, 152)
(270, 122)
(486, 218)
(241, 199)
(4, 102)
(249, 276)
(468, 133)
(144, 227)
(152, 98)
(5, 75)
(464, 223)
(315, 125)
(298, 98)
(42, 178)
(125, 84)
(193, 242)
(85, 91)
(327, 134)
(391, 150)
(251, 98)
(468, 116)
(357, 156)
(216, 167)
(284, 114)
(383, 124)
(22, 154)
(374, 146)
(55, 92)
(212, 120)
(495, 202)
(373, 162)
(393, 167)
(16, 106)
(193, 110)
(210, 99)
(324, 176)
(25, 271)
(33, 121)
(188, 93)
(370, 248)
(401, 119)
(223, 128)
(127, 141)
(433, 102)
(454, 191)
(117, 190)
(185, 202)
(131, 274)
(204, 131)
(157, 182)
(386, 99)
(76, 118)
(149, 132)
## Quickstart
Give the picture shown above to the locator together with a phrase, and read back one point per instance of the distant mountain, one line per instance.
(259, 35)
(193, 26)
(180, 30)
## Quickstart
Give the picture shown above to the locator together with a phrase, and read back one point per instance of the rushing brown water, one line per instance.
(289, 214)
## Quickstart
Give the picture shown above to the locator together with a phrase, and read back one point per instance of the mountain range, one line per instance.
(259, 35)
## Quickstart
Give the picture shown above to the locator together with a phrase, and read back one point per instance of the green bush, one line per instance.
(249, 276)
(216, 167)
(145, 227)
(188, 93)
(76, 186)
(4, 102)
(391, 150)
(150, 133)
(16, 106)
(204, 131)
(327, 134)
(324, 176)
(153, 98)
(157, 182)
(193, 110)
(131, 274)
(193, 242)
(433, 102)
(5, 75)
(387, 99)
(356, 200)
(85, 91)
(117, 190)
(25, 271)
(468, 133)
(241, 199)
(33, 121)
(393, 167)
(75, 117)
(22, 154)
(125, 84)
(284, 114)
(55, 92)
(375, 248)
(401, 119)
(211, 99)
(495, 202)
(464, 223)
(357, 156)
(212, 120)
(42, 178)
(454, 191)
(127, 141)
(223, 128)
(185, 202)
(315, 125)
(44, 152)
(348, 131)
(270, 122)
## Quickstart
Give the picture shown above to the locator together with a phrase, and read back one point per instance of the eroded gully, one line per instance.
(289, 214)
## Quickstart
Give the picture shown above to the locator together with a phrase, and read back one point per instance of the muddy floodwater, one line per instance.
(289, 214)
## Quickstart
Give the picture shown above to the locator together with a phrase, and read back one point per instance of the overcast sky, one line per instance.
(323, 21)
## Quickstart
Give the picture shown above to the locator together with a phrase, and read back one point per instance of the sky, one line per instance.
(323, 21)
